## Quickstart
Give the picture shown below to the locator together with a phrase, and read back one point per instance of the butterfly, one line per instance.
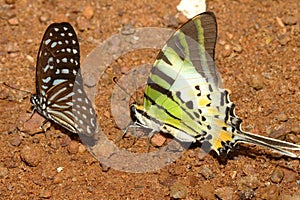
(60, 96)
(184, 98)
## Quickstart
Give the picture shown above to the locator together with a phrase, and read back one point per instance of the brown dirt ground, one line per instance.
(258, 47)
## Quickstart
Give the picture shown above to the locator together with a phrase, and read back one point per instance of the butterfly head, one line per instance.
(136, 113)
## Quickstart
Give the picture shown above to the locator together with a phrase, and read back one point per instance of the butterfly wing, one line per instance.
(183, 88)
(59, 85)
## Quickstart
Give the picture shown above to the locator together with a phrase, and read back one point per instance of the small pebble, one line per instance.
(277, 175)
(12, 47)
(158, 140)
(15, 140)
(170, 180)
(73, 147)
(128, 29)
(206, 172)
(290, 20)
(256, 81)
(170, 21)
(44, 17)
(278, 133)
(88, 12)
(45, 193)
(104, 167)
(57, 179)
(81, 148)
(296, 129)
(30, 58)
(271, 193)
(246, 193)
(13, 21)
(283, 39)
(65, 140)
(82, 23)
(282, 117)
(250, 182)
(31, 156)
(3, 172)
(224, 193)
(293, 138)
(178, 191)
(10, 1)
(289, 176)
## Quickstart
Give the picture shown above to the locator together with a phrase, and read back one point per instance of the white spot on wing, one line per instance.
(47, 41)
(53, 44)
(64, 60)
(46, 80)
(75, 51)
(65, 71)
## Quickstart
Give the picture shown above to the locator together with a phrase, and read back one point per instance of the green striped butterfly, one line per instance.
(183, 95)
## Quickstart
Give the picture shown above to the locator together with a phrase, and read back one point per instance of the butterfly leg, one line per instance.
(43, 125)
(151, 134)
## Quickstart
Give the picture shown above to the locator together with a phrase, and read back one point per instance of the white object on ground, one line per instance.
(190, 8)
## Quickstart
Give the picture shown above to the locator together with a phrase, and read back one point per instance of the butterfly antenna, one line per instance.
(11, 87)
(122, 88)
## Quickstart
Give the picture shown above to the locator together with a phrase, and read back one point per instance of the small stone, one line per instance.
(45, 193)
(283, 39)
(57, 179)
(30, 58)
(250, 182)
(289, 176)
(226, 53)
(206, 172)
(88, 12)
(81, 148)
(44, 18)
(104, 167)
(256, 81)
(178, 191)
(158, 140)
(290, 20)
(15, 140)
(170, 21)
(170, 180)
(271, 193)
(238, 48)
(65, 140)
(73, 147)
(246, 193)
(82, 23)
(282, 117)
(292, 138)
(295, 129)
(13, 21)
(280, 22)
(10, 1)
(3, 172)
(278, 133)
(277, 175)
(128, 29)
(224, 193)
(12, 47)
(31, 156)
